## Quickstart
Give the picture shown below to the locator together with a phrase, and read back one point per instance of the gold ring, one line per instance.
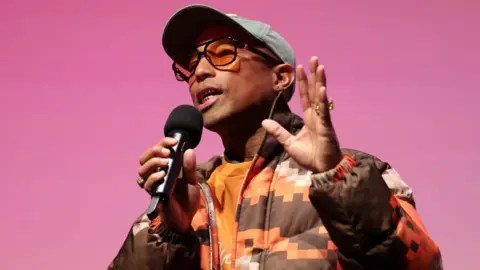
(140, 182)
(317, 109)
(330, 104)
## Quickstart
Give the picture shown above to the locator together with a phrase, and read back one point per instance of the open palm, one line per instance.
(316, 146)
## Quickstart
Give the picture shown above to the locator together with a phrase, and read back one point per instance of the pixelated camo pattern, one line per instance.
(278, 224)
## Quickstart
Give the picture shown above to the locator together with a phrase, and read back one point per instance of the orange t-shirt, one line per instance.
(225, 183)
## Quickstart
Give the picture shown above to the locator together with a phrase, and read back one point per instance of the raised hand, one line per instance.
(316, 146)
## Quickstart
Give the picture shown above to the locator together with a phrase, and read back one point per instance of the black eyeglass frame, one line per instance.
(236, 44)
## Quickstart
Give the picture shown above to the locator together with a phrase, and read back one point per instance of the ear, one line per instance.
(283, 76)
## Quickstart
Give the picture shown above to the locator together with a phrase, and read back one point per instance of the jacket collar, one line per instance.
(270, 149)
(280, 112)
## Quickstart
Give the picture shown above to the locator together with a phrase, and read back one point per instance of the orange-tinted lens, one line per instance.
(221, 52)
(218, 53)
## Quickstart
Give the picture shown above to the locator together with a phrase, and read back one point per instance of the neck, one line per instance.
(242, 139)
(242, 134)
(243, 146)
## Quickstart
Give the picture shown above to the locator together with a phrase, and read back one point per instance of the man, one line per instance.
(284, 195)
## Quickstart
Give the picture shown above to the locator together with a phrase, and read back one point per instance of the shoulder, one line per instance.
(389, 174)
(365, 156)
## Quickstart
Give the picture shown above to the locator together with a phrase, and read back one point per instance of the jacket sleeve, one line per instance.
(152, 246)
(369, 213)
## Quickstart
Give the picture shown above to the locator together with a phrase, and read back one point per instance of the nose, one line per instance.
(204, 70)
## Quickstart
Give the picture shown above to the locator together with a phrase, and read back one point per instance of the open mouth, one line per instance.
(206, 95)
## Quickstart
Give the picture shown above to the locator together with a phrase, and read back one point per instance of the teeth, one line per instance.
(206, 95)
(205, 99)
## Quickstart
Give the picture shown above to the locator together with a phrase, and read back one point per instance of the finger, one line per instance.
(156, 151)
(321, 78)
(151, 166)
(313, 65)
(159, 150)
(303, 86)
(323, 103)
(278, 132)
(321, 97)
(190, 166)
(153, 180)
(312, 80)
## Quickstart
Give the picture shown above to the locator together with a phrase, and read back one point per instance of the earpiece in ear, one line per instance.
(278, 88)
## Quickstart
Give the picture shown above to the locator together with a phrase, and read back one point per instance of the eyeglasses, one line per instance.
(219, 53)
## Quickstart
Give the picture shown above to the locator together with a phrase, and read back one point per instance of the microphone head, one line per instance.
(186, 119)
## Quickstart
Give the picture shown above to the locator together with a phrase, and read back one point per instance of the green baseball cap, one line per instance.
(184, 27)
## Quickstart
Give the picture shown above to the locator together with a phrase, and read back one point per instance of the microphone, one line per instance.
(185, 124)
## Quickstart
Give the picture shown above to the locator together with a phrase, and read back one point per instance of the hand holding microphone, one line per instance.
(175, 199)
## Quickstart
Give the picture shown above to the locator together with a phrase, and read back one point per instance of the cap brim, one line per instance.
(184, 27)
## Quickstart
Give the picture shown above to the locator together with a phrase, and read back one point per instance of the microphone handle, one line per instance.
(164, 190)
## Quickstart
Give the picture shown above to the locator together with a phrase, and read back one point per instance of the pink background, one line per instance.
(84, 86)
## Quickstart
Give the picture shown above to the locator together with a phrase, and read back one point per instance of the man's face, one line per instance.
(222, 93)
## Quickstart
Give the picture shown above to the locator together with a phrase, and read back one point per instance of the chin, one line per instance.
(212, 123)
(216, 121)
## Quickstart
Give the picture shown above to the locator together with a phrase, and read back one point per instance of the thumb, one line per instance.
(190, 166)
(278, 132)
